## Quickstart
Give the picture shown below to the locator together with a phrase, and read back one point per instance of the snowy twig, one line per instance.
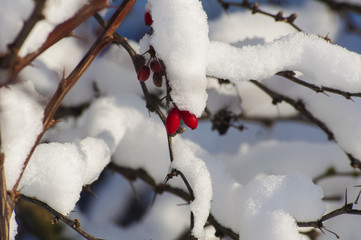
(160, 188)
(66, 84)
(290, 75)
(138, 61)
(299, 106)
(9, 59)
(255, 9)
(74, 224)
(347, 208)
(61, 31)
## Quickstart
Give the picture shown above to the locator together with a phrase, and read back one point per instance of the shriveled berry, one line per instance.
(155, 66)
(148, 18)
(143, 73)
(172, 121)
(157, 79)
(189, 119)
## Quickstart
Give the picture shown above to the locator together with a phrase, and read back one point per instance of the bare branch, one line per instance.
(290, 75)
(74, 224)
(255, 9)
(9, 59)
(160, 188)
(66, 84)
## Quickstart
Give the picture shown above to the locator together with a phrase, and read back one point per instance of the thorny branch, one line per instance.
(151, 105)
(132, 174)
(74, 224)
(290, 75)
(347, 208)
(255, 9)
(299, 106)
(9, 59)
(66, 84)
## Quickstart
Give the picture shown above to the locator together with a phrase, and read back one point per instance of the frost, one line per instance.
(180, 39)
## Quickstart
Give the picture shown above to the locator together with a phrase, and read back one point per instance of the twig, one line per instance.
(332, 172)
(61, 31)
(290, 75)
(342, 6)
(255, 9)
(66, 84)
(160, 188)
(74, 224)
(298, 105)
(9, 59)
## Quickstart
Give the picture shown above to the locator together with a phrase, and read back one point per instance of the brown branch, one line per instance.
(255, 9)
(74, 224)
(290, 75)
(342, 6)
(61, 31)
(10, 58)
(332, 172)
(298, 105)
(346, 209)
(7, 202)
(66, 84)
(132, 174)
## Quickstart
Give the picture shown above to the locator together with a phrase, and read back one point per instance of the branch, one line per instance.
(332, 172)
(255, 9)
(10, 58)
(342, 6)
(132, 174)
(290, 75)
(74, 224)
(61, 31)
(66, 84)
(299, 106)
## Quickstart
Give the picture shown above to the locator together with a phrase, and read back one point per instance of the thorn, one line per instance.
(255, 8)
(134, 191)
(346, 197)
(336, 235)
(88, 189)
(358, 196)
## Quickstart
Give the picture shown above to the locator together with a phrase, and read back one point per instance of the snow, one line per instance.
(196, 172)
(21, 122)
(65, 169)
(296, 52)
(55, 12)
(257, 182)
(180, 39)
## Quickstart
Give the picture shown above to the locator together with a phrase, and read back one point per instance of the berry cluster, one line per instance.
(153, 64)
(173, 120)
(175, 115)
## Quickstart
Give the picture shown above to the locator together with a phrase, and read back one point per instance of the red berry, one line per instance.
(157, 79)
(189, 119)
(143, 73)
(148, 18)
(155, 66)
(172, 121)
